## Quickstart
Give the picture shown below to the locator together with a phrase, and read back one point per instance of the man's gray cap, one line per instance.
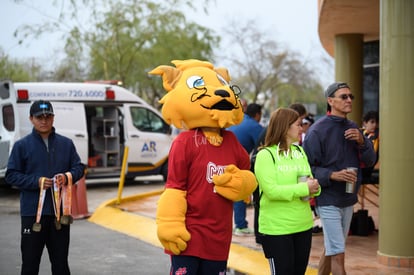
(334, 87)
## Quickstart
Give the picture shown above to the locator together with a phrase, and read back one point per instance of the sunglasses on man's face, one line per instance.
(345, 96)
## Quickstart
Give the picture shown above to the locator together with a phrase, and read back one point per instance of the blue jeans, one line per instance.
(335, 222)
(240, 214)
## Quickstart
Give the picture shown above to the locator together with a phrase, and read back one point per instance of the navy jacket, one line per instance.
(328, 151)
(30, 159)
(247, 132)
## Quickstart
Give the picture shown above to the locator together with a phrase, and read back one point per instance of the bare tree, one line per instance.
(266, 72)
(122, 39)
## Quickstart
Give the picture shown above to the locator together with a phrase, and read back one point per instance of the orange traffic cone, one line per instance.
(79, 200)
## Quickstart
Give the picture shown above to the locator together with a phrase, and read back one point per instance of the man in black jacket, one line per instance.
(41, 165)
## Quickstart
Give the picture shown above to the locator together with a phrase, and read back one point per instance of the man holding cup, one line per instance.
(335, 147)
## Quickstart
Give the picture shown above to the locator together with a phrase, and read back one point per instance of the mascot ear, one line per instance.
(224, 73)
(170, 76)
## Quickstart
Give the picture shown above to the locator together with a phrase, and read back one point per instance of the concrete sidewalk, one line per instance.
(135, 216)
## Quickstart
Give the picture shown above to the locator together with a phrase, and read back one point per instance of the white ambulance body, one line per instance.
(8, 124)
(101, 119)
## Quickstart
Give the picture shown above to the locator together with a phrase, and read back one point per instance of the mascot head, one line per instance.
(198, 95)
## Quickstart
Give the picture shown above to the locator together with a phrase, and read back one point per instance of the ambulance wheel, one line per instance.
(129, 179)
(164, 171)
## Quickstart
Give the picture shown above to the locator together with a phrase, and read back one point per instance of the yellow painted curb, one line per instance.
(247, 261)
(242, 259)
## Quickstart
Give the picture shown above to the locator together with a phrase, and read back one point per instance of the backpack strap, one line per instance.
(297, 147)
(273, 158)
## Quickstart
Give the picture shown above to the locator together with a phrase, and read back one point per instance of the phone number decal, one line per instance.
(68, 94)
(92, 93)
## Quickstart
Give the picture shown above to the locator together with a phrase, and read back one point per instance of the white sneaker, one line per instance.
(243, 232)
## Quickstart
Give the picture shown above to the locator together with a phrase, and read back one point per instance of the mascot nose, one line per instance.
(222, 93)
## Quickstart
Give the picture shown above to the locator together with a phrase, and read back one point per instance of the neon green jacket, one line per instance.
(281, 209)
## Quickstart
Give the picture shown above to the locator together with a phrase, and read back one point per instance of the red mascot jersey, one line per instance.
(192, 163)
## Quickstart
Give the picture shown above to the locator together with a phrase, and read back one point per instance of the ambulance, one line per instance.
(101, 119)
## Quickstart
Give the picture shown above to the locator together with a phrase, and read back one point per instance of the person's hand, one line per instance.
(60, 180)
(313, 185)
(47, 182)
(344, 175)
(354, 134)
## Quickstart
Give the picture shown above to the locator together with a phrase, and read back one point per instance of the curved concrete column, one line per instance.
(396, 213)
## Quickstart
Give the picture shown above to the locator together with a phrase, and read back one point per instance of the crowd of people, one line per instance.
(300, 164)
(328, 147)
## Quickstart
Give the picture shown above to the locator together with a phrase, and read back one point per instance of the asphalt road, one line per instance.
(93, 249)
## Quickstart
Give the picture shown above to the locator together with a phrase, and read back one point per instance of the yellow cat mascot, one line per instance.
(208, 169)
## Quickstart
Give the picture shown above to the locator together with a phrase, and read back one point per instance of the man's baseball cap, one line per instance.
(335, 87)
(41, 107)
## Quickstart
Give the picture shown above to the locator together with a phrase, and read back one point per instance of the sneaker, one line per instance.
(243, 231)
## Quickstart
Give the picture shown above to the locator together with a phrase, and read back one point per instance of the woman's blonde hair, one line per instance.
(279, 123)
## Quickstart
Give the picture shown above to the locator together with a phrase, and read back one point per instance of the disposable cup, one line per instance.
(304, 178)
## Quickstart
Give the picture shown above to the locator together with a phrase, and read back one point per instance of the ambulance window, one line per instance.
(147, 121)
(8, 117)
(4, 91)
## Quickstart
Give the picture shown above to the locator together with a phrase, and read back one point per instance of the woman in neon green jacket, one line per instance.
(285, 217)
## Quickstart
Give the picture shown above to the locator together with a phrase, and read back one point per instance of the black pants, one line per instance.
(32, 244)
(288, 254)
(191, 265)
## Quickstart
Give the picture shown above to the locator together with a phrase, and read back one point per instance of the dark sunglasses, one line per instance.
(345, 96)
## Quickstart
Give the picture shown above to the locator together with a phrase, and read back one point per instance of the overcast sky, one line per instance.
(292, 23)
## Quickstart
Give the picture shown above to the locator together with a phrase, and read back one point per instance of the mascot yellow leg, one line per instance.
(171, 230)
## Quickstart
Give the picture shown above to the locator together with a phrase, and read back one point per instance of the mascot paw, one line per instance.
(235, 184)
(171, 229)
(174, 240)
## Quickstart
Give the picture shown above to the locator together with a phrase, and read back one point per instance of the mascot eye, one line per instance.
(222, 80)
(236, 90)
(195, 81)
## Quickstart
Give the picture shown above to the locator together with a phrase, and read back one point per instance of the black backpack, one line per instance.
(256, 195)
(362, 224)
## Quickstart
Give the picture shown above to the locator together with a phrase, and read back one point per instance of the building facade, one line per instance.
(372, 43)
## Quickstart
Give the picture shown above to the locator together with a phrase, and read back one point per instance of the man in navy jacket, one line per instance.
(37, 161)
(334, 143)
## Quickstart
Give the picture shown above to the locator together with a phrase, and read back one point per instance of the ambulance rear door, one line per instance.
(148, 138)
(8, 123)
(70, 121)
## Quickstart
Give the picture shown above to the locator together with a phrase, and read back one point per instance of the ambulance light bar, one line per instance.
(110, 94)
(22, 95)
